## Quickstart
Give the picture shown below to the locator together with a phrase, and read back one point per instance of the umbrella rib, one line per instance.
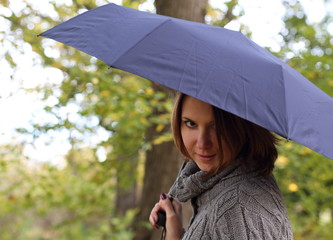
(277, 61)
(195, 70)
(286, 106)
(143, 38)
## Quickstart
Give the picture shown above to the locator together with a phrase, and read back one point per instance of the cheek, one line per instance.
(187, 137)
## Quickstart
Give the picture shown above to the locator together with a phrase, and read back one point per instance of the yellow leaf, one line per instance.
(105, 93)
(143, 120)
(159, 127)
(281, 162)
(95, 80)
(293, 187)
(305, 151)
(288, 145)
(163, 138)
(149, 91)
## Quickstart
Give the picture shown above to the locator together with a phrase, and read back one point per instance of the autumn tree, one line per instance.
(103, 183)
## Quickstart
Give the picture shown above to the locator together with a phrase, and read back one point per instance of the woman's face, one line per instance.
(199, 134)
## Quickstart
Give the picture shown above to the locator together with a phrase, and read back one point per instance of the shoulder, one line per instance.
(255, 194)
(252, 209)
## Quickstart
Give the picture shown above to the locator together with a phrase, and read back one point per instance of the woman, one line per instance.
(228, 177)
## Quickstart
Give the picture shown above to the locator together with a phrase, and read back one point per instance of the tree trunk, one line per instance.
(163, 160)
(161, 167)
(192, 10)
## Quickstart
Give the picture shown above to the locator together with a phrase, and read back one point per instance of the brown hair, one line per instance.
(254, 144)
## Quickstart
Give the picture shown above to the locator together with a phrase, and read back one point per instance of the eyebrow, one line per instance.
(186, 119)
(189, 119)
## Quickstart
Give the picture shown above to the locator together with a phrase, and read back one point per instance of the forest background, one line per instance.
(116, 154)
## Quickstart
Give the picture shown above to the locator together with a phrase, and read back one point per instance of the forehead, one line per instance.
(194, 108)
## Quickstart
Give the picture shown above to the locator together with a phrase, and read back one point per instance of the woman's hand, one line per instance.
(173, 210)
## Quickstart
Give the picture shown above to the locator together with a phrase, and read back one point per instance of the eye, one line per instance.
(190, 123)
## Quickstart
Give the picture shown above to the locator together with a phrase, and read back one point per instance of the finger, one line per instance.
(166, 204)
(152, 219)
(153, 215)
(153, 222)
(174, 226)
(177, 207)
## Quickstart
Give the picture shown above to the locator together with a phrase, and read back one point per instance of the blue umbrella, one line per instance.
(216, 65)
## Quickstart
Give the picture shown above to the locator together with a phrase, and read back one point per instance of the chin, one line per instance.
(205, 168)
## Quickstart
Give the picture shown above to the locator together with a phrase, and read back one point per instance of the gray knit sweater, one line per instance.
(232, 205)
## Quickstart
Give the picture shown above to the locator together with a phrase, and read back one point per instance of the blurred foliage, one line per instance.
(75, 200)
(42, 201)
(306, 180)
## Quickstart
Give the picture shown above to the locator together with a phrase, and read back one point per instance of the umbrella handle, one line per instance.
(161, 218)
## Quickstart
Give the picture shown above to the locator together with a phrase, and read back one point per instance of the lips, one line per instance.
(206, 157)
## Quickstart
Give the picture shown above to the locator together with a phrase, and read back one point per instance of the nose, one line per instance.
(204, 139)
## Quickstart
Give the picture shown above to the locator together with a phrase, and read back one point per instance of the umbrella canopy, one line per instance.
(216, 65)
